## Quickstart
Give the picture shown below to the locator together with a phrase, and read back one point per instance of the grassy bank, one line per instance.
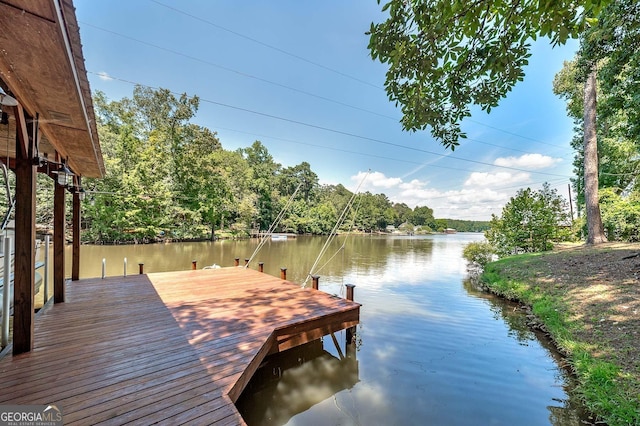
(588, 299)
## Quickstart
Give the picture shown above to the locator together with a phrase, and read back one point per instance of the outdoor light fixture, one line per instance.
(64, 175)
(7, 100)
(81, 194)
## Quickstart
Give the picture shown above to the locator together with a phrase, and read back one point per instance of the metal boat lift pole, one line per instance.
(6, 293)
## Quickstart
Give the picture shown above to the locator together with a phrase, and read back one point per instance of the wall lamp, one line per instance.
(64, 175)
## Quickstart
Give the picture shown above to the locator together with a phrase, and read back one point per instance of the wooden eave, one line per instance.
(42, 66)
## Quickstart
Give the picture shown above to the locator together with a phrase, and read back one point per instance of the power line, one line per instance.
(344, 133)
(304, 92)
(269, 46)
(518, 135)
(243, 74)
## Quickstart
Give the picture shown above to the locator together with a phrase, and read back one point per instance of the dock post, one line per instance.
(47, 241)
(283, 273)
(314, 281)
(125, 266)
(236, 261)
(246, 262)
(351, 331)
(261, 267)
(104, 268)
(194, 264)
(350, 288)
(141, 268)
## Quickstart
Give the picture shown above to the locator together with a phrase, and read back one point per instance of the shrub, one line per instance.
(479, 253)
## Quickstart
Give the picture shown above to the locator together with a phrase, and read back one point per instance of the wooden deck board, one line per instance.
(174, 348)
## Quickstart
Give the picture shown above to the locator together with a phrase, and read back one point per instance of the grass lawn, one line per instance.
(588, 300)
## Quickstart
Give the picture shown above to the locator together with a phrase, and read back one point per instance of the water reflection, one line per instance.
(295, 380)
(433, 349)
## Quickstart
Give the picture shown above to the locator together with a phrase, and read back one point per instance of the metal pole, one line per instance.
(6, 294)
(47, 241)
(104, 267)
(125, 266)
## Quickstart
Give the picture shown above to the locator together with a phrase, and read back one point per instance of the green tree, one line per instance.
(530, 221)
(403, 213)
(422, 215)
(263, 182)
(445, 56)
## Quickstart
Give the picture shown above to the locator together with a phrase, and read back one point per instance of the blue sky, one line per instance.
(298, 77)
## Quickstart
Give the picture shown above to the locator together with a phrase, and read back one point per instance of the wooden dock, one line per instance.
(174, 348)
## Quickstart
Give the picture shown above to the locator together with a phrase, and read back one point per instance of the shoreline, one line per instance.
(587, 300)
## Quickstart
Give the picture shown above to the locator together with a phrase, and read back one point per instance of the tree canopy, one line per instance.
(445, 56)
(167, 177)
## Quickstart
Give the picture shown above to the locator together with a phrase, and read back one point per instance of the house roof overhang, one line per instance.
(42, 67)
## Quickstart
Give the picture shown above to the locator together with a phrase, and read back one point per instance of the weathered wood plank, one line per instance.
(176, 348)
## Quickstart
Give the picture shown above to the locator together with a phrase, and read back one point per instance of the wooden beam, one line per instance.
(58, 242)
(22, 132)
(25, 235)
(75, 263)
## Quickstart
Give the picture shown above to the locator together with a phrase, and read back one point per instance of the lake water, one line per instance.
(430, 348)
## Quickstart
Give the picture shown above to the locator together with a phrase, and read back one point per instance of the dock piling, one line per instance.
(194, 265)
(283, 273)
(351, 331)
(141, 268)
(314, 281)
(350, 288)
(125, 266)
(104, 268)
(261, 266)
(236, 261)
(246, 262)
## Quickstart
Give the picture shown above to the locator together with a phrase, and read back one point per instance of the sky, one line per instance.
(298, 77)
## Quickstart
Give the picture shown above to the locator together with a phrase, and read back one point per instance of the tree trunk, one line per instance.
(595, 230)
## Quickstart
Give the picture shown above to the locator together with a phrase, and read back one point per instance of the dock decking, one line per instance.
(174, 347)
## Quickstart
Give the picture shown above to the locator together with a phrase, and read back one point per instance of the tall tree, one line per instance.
(445, 56)
(263, 183)
(610, 46)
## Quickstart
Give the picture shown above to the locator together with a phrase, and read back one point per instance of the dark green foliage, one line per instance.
(620, 215)
(444, 56)
(530, 221)
(169, 178)
(610, 42)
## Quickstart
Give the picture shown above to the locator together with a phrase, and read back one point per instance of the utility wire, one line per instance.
(269, 46)
(341, 132)
(243, 74)
(304, 92)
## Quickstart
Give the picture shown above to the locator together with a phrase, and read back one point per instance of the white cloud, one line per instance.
(375, 181)
(501, 178)
(475, 201)
(104, 76)
(528, 161)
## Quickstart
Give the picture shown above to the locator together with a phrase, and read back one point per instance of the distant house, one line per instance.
(450, 231)
(390, 229)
